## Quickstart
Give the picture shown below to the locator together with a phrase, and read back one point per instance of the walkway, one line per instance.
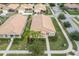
(47, 45)
(9, 46)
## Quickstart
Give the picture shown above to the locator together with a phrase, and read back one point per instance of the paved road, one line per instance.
(47, 45)
(9, 46)
(77, 53)
(70, 19)
(58, 11)
(73, 17)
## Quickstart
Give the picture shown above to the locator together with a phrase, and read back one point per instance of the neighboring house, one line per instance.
(39, 8)
(10, 8)
(1, 9)
(43, 24)
(26, 9)
(13, 27)
(71, 6)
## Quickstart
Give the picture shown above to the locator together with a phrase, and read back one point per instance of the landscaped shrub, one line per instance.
(74, 36)
(61, 16)
(53, 38)
(61, 5)
(52, 4)
(67, 24)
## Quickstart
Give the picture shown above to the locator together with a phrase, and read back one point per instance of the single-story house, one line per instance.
(10, 8)
(13, 26)
(71, 6)
(26, 9)
(43, 24)
(39, 8)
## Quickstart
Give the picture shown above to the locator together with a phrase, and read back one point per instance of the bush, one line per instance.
(67, 24)
(52, 4)
(61, 16)
(61, 5)
(74, 36)
(53, 38)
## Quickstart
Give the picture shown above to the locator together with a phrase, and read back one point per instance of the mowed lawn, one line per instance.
(59, 42)
(4, 43)
(73, 12)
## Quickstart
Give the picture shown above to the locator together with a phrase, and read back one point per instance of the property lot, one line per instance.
(59, 42)
(22, 44)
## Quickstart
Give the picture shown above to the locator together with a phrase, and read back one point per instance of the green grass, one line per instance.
(73, 12)
(72, 41)
(60, 41)
(58, 54)
(77, 18)
(1, 54)
(4, 43)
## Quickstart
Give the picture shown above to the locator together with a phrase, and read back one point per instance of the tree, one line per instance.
(74, 36)
(61, 16)
(36, 48)
(61, 5)
(67, 24)
(52, 4)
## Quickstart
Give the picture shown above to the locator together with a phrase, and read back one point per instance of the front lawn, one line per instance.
(4, 43)
(58, 43)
